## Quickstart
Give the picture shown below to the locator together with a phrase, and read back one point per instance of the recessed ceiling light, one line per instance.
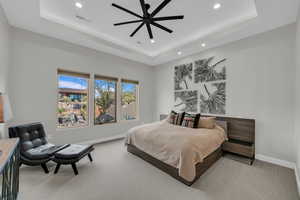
(152, 41)
(83, 18)
(78, 5)
(217, 6)
(203, 45)
(179, 53)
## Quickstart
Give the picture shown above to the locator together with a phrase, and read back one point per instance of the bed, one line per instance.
(184, 153)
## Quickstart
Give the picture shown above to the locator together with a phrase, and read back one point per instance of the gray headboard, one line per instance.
(162, 117)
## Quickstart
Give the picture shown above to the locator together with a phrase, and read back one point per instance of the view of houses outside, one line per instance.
(72, 101)
(73, 98)
(129, 101)
(105, 101)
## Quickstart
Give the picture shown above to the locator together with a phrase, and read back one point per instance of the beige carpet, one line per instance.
(116, 174)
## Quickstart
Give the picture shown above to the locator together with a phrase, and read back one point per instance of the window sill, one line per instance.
(72, 128)
(109, 123)
(94, 125)
(129, 121)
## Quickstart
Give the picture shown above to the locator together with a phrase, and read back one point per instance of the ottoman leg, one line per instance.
(45, 168)
(75, 168)
(57, 168)
(90, 157)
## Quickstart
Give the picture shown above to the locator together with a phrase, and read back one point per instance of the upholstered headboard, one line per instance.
(222, 124)
(162, 117)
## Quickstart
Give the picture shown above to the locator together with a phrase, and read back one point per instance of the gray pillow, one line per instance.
(222, 124)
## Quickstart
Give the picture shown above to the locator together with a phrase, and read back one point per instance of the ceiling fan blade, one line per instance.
(162, 27)
(168, 18)
(129, 22)
(160, 7)
(137, 29)
(126, 10)
(143, 7)
(149, 30)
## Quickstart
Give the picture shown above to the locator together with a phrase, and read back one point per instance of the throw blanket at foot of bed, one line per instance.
(177, 146)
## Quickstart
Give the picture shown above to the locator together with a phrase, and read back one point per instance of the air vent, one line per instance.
(83, 18)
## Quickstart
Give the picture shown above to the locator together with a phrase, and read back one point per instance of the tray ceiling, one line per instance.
(92, 25)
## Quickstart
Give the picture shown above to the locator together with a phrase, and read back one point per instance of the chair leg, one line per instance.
(45, 168)
(75, 168)
(90, 157)
(56, 168)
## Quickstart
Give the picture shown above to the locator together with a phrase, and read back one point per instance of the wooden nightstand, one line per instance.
(243, 151)
(241, 138)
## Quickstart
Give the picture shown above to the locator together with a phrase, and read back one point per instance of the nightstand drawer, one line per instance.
(239, 148)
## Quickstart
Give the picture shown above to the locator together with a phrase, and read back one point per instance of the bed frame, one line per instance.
(236, 128)
(172, 171)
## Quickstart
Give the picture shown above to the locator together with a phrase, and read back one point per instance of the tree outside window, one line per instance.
(129, 100)
(105, 101)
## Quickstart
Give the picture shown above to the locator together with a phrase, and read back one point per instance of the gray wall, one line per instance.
(5, 53)
(297, 97)
(33, 83)
(260, 85)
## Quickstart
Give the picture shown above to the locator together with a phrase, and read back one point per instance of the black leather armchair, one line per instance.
(34, 145)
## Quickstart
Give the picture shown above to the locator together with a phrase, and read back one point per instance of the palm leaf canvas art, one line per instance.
(210, 69)
(183, 76)
(205, 78)
(213, 98)
(186, 101)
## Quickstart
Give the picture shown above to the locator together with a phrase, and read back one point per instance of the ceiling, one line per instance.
(236, 19)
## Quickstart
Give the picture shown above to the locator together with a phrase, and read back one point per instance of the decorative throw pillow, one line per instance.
(222, 124)
(190, 120)
(172, 117)
(179, 119)
(207, 122)
(176, 118)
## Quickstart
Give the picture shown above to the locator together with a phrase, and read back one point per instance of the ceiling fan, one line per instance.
(148, 19)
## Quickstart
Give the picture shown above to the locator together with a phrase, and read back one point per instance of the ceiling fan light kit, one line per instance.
(148, 19)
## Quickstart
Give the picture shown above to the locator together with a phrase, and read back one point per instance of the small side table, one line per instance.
(244, 150)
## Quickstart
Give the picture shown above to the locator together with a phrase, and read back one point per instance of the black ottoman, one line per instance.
(71, 155)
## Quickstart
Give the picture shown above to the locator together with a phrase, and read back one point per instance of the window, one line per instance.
(129, 100)
(105, 107)
(73, 95)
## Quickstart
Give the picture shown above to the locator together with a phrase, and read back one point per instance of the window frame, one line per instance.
(74, 74)
(91, 100)
(105, 78)
(137, 83)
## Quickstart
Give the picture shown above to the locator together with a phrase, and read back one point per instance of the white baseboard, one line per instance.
(297, 179)
(275, 161)
(104, 140)
(283, 163)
